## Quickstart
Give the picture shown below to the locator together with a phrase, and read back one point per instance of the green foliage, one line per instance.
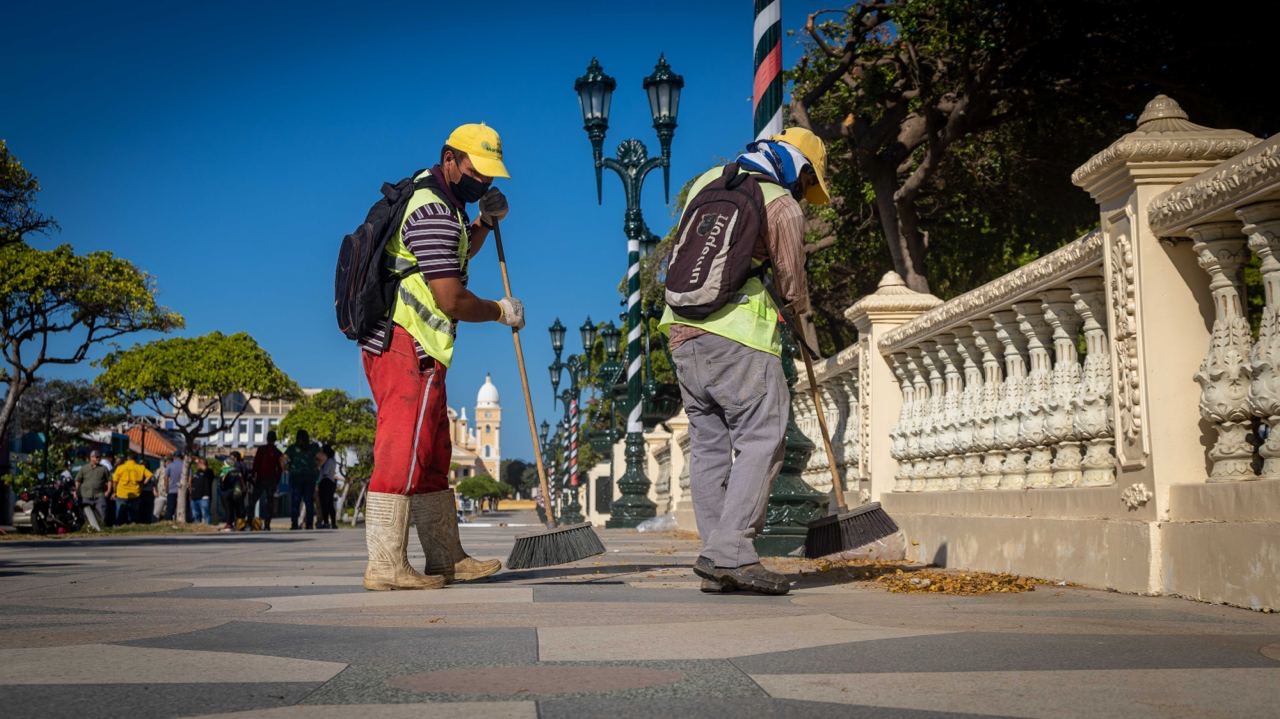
(64, 410)
(953, 126)
(56, 305)
(514, 473)
(26, 473)
(481, 486)
(18, 188)
(335, 417)
(185, 378)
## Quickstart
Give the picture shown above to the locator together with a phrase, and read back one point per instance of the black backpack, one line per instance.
(711, 260)
(364, 284)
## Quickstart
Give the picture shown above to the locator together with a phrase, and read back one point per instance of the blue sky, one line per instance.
(227, 147)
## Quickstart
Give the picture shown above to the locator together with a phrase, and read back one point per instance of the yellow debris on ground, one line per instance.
(900, 576)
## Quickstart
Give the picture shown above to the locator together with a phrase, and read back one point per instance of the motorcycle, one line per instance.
(51, 508)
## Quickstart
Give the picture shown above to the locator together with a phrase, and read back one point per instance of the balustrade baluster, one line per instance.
(1262, 225)
(968, 440)
(899, 448)
(953, 459)
(1013, 473)
(920, 429)
(1059, 310)
(1225, 374)
(935, 441)
(984, 335)
(1092, 414)
(1033, 432)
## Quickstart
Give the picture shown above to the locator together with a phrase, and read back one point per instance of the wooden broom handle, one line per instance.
(822, 424)
(524, 385)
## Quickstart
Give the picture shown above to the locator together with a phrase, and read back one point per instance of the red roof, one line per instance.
(157, 445)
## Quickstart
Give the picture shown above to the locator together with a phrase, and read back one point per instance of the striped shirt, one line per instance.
(431, 233)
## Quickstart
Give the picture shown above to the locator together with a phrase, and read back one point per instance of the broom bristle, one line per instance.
(842, 532)
(557, 546)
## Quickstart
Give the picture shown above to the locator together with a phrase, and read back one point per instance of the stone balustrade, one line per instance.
(996, 392)
(837, 378)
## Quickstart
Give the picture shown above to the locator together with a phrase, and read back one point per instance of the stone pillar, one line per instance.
(971, 444)
(1059, 310)
(1225, 374)
(984, 335)
(1156, 298)
(1262, 225)
(933, 437)
(681, 500)
(880, 395)
(1033, 431)
(1013, 473)
(1091, 417)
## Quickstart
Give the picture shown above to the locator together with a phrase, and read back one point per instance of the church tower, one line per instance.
(488, 426)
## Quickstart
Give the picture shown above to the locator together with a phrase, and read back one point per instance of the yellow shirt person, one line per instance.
(128, 479)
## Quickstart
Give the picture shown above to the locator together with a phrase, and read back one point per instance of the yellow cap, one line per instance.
(482, 145)
(811, 146)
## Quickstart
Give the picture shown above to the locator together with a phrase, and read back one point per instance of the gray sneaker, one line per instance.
(750, 578)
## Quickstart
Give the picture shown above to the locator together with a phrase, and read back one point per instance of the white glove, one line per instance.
(493, 207)
(512, 312)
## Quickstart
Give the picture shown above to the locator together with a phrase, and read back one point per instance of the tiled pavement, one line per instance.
(278, 626)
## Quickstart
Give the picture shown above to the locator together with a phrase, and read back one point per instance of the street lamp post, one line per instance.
(579, 372)
(595, 92)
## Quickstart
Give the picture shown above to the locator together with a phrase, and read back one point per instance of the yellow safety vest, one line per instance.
(753, 320)
(416, 309)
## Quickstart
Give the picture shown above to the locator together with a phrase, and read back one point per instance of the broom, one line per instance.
(557, 545)
(843, 530)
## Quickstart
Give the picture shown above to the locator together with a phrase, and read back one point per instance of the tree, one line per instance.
(481, 486)
(335, 417)
(62, 412)
(56, 305)
(189, 380)
(18, 188)
(512, 473)
(948, 121)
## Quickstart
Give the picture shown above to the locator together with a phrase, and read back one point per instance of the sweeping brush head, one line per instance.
(850, 530)
(557, 546)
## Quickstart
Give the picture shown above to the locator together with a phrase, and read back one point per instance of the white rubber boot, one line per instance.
(436, 516)
(386, 531)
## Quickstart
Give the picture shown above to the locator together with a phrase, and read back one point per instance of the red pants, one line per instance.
(412, 448)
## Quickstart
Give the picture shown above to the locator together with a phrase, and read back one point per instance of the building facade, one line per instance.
(477, 449)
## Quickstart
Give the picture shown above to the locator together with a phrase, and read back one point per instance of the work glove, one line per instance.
(512, 312)
(493, 207)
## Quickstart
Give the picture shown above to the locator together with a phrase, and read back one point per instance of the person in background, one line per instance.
(327, 486)
(303, 472)
(92, 483)
(231, 491)
(268, 465)
(174, 477)
(201, 492)
(127, 480)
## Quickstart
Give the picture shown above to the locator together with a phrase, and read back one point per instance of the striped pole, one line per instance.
(635, 353)
(573, 445)
(767, 91)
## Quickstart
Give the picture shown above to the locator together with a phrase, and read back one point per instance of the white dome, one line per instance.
(488, 394)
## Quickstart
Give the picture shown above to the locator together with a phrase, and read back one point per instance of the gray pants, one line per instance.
(737, 402)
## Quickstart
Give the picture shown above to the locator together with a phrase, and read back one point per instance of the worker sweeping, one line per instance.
(742, 222)
(401, 290)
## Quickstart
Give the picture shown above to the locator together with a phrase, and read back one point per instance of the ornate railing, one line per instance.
(838, 383)
(996, 393)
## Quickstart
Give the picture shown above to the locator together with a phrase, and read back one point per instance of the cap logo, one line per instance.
(495, 149)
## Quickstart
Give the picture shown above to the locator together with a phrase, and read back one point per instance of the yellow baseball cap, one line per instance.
(813, 149)
(482, 145)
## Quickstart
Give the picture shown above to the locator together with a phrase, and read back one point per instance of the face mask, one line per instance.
(468, 189)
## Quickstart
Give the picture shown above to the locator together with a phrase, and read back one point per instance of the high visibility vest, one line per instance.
(753, 319)
(415, 308)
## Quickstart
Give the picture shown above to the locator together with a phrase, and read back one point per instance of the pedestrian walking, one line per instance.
(201, 492)
(92, 481)
(127, 482)
(303, 473)
(328, 484)
(107, 459)
(407, 358)
(268, 465)
(175, 476)
(726, 344)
